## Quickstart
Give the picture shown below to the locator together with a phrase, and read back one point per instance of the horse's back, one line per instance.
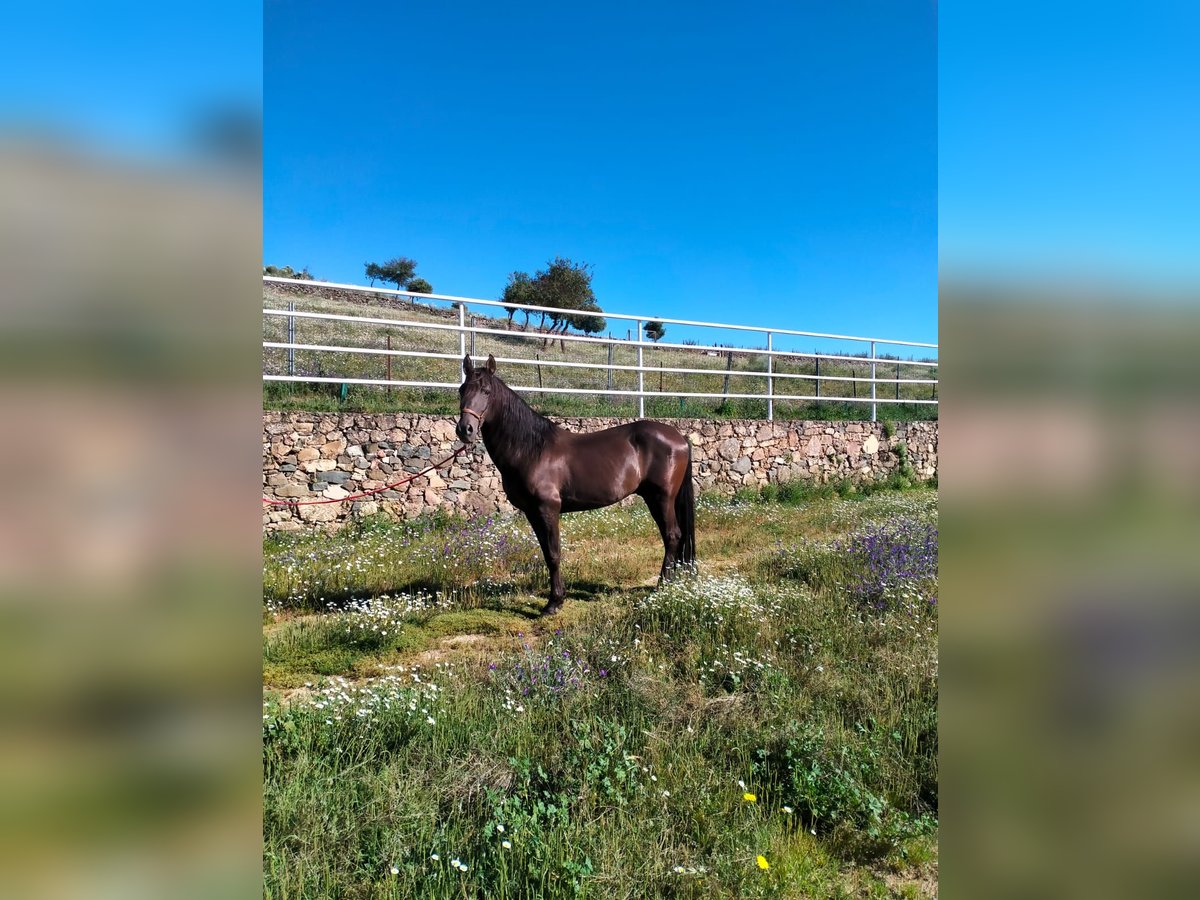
(645, 436)
(660, 432)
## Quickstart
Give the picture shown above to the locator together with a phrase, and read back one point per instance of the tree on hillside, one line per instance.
(419, 286)
(655, 331)
(288, 272)
(519, 289)
(567, 285)
(398, 271)
(564, 284)
(589, 324)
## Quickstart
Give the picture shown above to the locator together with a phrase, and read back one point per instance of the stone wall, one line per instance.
(310, 456)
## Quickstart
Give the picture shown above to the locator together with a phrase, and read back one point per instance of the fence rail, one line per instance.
(771, 355)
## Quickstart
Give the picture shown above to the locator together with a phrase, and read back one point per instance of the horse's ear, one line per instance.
(468, 366)
(491, 364)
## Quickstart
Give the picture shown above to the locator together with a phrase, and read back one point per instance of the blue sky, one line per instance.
(1069, 139)
(126, 79)
(771, 164)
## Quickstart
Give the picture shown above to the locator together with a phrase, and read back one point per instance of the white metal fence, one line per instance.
(770, 378)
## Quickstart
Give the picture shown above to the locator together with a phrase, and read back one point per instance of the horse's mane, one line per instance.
(522, 432)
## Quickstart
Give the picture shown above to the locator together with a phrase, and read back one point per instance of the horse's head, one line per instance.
(474, 398)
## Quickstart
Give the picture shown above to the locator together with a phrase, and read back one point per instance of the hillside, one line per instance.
(729, 370)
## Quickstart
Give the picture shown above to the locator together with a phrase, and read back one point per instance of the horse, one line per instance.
(547, 470)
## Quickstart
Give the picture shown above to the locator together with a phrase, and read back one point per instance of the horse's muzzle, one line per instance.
(466, 430)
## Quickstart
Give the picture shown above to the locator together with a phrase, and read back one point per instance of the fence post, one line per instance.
(462, 338)
(472, 337)
(641, 375)
(728, 369)
(817, 374)
(291, 338)
(770, 381)
(389, 362)
(897, 381)
(872, 381)
(609, 396)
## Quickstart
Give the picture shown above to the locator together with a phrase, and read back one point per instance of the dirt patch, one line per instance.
(902, 884)
(292, 695)
(473, 645)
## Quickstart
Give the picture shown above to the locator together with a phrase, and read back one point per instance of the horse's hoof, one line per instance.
(552, 609)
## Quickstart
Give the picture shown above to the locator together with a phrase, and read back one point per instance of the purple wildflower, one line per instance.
(892, 556)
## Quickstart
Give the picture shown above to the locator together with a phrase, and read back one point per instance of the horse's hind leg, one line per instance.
(545, 525)
(662, 508)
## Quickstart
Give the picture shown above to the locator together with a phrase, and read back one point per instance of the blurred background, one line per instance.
(129, 537)
(1070, 450)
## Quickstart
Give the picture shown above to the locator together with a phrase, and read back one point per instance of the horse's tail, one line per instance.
(685, 515)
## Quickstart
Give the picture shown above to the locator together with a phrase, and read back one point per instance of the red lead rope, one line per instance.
(387, 487)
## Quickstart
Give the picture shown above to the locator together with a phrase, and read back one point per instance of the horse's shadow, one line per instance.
(497, 597)
(578, 591)
(595, 591)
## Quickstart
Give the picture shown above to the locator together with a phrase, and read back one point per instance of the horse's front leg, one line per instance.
(544, 520)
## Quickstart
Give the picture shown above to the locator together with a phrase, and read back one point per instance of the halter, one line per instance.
(478, 415)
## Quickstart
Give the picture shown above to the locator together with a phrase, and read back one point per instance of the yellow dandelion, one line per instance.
(762, 862)
(749, 797)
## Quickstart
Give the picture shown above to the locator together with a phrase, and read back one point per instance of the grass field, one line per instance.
(764, 728)
(279, 395)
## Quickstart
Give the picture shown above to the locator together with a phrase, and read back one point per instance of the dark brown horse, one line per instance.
(547, 471)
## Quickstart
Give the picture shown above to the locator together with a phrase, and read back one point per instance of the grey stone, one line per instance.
(730, 448)
(742, 466)
(460, 485)
(326, 512)
(333, 477)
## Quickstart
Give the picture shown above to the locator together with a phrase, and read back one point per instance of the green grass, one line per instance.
(795, 493)
(611, 742)
(360, 398)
